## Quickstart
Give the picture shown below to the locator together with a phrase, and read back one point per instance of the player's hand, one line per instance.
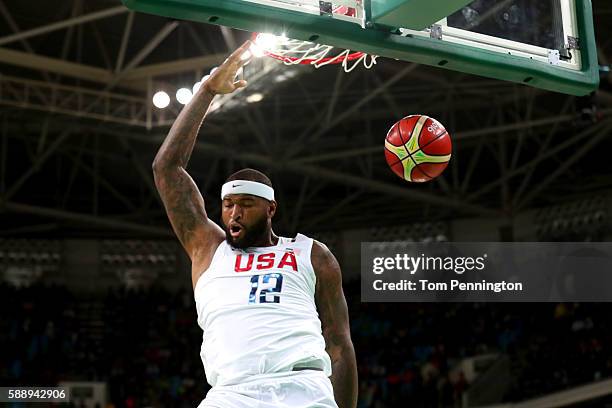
(223, 80)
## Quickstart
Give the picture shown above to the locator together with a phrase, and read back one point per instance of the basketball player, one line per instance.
(274, 316)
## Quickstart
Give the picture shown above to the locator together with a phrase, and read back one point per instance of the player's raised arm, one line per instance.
(333, 313)
(183, 201)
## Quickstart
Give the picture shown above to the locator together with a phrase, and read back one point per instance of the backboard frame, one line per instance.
(464, 37)
(417, 47)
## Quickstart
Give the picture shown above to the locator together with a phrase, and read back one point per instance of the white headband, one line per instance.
(247, 187)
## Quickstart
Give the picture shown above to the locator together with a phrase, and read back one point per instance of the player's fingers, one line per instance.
(236, 55)
(243, 60)
(246, 58)
(240, 84)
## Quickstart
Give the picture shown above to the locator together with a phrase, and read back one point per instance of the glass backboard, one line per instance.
(547, 44)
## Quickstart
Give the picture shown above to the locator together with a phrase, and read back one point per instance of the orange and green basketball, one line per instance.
(418, 148)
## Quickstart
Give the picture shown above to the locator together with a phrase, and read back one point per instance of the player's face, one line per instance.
(246, 219)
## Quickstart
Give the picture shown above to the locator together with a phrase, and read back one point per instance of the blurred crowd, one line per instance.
(145, 345)
(411, 352)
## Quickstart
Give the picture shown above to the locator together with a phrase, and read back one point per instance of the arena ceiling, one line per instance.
(78, 132)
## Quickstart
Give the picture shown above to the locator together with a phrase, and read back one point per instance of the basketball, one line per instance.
(418, 148)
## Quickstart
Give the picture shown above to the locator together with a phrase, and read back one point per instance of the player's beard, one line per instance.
(251, 234)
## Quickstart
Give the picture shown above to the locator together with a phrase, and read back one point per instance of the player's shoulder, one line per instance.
(318, 247)
(300, 238)
(326, 267)
(321, 256)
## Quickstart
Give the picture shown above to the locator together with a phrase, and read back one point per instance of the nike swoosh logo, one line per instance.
(236, 185)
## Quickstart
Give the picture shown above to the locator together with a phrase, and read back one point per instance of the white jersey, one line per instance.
(257, 309)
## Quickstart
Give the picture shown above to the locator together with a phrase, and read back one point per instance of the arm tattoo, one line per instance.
(183, 202)
(182, 199)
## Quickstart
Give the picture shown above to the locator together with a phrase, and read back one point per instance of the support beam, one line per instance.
(474, 159)
(324, 174)
(13, 25)
(124, 41)
(77, 7)
(145, 51)
(71, 112)
(104, 183)
(464, 135)
(104, 53)
(174, 67)
(145, 174)
(568, 142)
(15, 28)
(134, 79)
(89, 220)
(63, 24)
(40, 63)
(313, 222)
(577, 155)
(518, 193)
(44, 132)
(374, 93)
(36, 165)
(69, 89)
(138, 58)
(16, 92)
(348, 112)
(334, 96)
(387, 188)
(388, 97)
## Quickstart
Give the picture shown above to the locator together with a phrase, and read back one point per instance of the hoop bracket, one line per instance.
(435, 31)
(326, 8)
(573, 43)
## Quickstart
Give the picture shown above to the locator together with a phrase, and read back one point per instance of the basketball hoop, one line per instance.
(294, 52)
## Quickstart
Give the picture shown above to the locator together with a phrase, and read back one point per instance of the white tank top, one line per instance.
(257, 309)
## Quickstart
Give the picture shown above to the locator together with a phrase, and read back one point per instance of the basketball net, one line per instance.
(294, 52)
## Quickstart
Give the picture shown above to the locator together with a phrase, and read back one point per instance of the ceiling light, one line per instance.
(161, 100)
(256, 97)
(183, 96)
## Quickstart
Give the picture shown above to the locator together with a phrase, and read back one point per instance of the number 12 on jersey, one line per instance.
(264, 285)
